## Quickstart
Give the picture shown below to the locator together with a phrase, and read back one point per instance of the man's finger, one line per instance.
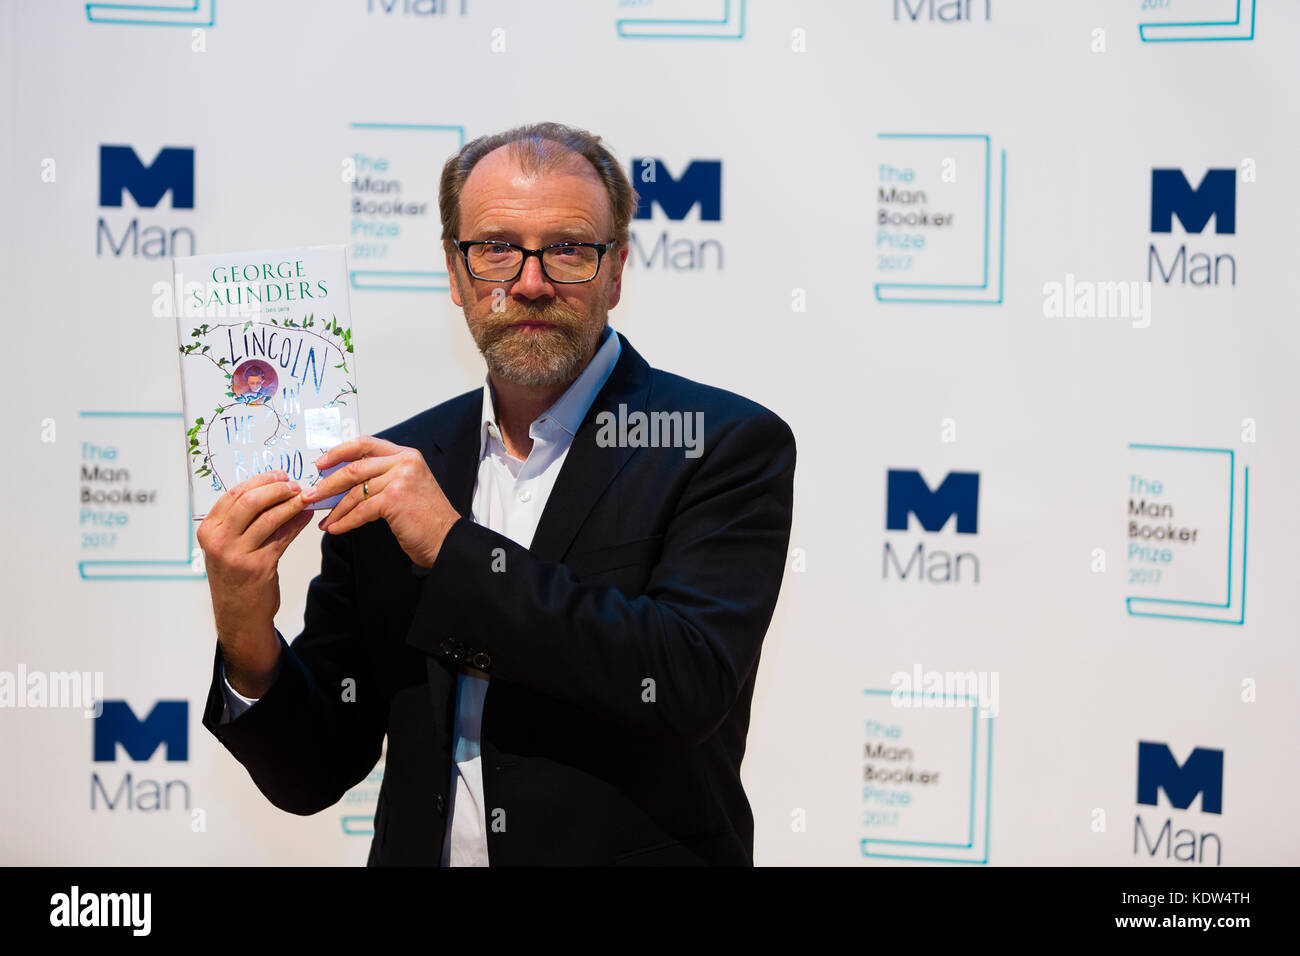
(355, 448)
(354, 497)
(270, 520)
(344, 505)
(366, 511)
(350, 475)
(226, 501)
(256, 500)
(283, 536)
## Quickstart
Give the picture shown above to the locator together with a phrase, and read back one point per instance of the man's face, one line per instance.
(254, 379)
(534, 331)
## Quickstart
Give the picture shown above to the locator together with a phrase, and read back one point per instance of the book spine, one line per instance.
(352, 360)
(187, 414)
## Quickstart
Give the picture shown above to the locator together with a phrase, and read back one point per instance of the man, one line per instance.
(557, 631)
(254, 393)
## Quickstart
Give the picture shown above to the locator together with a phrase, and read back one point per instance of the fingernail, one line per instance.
(294, 486)
(321, 524)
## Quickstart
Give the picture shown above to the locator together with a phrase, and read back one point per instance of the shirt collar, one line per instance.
(570, 408)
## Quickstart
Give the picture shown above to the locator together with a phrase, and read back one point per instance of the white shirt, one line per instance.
(509, 496)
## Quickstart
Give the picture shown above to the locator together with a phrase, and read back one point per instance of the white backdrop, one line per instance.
(812, 109)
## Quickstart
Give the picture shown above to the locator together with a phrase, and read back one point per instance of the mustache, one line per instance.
(563, 317)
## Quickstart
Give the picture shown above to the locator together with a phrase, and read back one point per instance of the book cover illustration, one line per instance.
(268, 376)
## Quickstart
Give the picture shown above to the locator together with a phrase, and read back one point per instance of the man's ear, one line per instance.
(616, 285)
(452, 280)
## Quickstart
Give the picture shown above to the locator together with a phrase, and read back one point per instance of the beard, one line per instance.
(545, 357)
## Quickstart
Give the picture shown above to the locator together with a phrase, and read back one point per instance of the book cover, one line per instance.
(268, 376)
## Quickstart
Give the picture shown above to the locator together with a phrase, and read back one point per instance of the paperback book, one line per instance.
(268, 375)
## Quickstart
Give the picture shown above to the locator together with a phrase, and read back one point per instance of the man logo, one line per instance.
(906, 493)
(1172, 195)
(1202, 774)
(958, 494)
(120, 170)
(700, 184)
(167, 725)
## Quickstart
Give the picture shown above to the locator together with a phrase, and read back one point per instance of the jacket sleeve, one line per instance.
(312, 736)
(696, 630)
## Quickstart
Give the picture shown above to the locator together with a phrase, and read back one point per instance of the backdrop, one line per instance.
(1020, 276)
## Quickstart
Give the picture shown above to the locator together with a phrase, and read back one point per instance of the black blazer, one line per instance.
(622, 646)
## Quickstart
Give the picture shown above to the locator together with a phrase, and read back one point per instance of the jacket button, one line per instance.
(440, 803)
(482, 660)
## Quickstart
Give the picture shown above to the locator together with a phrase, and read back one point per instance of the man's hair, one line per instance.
(539, 148)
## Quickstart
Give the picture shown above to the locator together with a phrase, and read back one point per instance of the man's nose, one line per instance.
(532, 282)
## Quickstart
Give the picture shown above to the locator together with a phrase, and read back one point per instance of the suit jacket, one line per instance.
(622, 645)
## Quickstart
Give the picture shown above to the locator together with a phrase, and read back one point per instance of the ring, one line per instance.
(365, 489)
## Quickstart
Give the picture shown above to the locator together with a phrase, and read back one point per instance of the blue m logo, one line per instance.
(907, 493)
(701, 183)
(167, 724)
(1172, 195)
(120, 170)
(1202, 773)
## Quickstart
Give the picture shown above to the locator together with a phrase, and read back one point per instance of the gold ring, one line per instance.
(365, 489)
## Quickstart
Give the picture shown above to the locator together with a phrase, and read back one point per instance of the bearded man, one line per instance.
(558, 633)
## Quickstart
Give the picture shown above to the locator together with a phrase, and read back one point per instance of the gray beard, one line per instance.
(537, 363)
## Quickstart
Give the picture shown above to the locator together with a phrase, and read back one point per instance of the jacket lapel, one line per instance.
(454, 458)
(588, 468)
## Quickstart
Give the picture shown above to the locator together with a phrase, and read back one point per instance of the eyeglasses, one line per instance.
(565, 262)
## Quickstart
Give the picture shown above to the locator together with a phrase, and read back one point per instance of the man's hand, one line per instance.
(401, 488)
(243, 537)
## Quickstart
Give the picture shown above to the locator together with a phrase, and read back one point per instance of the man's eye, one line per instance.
(495, 248)
(566, 252)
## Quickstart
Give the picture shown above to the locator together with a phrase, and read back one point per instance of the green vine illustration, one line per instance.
(193, 435)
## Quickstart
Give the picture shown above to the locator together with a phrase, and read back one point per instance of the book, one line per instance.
(268, 375)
